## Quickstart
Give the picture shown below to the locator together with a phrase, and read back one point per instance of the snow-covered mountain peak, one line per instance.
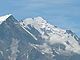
(39, 19)
(3, 18)
(34, 20)
(51, 34)
(39, 23)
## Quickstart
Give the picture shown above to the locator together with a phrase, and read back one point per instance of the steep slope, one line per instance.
(53, 38)
(15, 41)
(3, 18)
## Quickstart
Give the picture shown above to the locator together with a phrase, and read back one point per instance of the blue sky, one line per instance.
(62, 13)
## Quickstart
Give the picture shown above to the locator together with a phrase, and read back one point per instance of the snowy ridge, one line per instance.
(39, 23)
(30, 33)
(3, 18)
(53, 35)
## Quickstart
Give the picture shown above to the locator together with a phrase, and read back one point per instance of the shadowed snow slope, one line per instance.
(36, 39)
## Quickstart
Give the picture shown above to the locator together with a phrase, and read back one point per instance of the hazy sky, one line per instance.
(62, 13)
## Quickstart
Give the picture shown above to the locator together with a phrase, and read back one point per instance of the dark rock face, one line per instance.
(14, 39)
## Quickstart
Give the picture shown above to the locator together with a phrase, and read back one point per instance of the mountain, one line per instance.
(36, 39)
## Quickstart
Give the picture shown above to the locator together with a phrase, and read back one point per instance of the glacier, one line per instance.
(36, 39)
